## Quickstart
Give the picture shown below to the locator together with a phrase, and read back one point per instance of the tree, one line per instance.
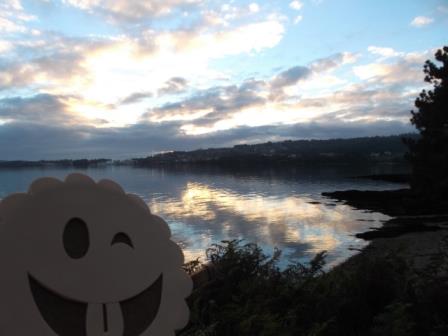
(429, 153)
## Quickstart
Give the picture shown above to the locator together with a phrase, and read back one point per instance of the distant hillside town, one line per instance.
(297, 152)
(81, 163)
(366, 149)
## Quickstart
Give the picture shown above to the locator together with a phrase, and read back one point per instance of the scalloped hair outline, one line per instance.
(179, 284)
(48, 183)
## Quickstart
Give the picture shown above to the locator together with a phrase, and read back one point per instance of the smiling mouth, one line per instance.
(67, 317)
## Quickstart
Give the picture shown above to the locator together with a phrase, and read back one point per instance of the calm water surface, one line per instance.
(283, 210)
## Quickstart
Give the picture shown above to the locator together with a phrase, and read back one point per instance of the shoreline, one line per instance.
(409, 217)
(417, 233)
(396, 282)
(409, 213)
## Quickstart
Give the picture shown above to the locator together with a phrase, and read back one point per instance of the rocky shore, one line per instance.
(410, 213)
(417, 233)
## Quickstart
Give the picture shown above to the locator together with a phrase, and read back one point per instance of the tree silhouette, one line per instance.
(429, 153)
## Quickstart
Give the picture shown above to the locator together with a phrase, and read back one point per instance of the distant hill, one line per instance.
(82, 163)
(366, 149)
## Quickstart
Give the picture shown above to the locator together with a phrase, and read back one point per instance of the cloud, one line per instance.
(9, 26)
(40, 109)
(207, 108)
(149, 89)
(254, 7)
(227, 14)
(174, 85)
(372, 70)
(387, 95)
(333, 61)
(41, 73)
(211, 105)
(420, 21)
(252, 37)
(152, 80)
(26, 141)
(219, 116)
(290, 76)
(260, 102)
(405, 70)
(382, 51)
(136, 98)
(252, 102)
(296, 5)
(5, 46)
(56, 64)
(298, 19)
(176, 54)
(21, 140)
(14, 9)
(128, 11)
(361, 103)
(95, 68)
(13, 17)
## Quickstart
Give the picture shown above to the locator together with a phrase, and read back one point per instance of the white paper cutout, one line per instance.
(102, 275)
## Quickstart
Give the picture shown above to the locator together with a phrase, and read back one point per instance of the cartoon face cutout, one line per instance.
(85, 259)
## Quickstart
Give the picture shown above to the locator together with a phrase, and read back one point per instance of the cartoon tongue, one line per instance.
(104, 319)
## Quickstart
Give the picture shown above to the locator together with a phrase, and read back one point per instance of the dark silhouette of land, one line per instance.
(80, 163)
(367, 150)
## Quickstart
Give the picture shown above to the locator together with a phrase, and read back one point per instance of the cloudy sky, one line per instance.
(127, 78)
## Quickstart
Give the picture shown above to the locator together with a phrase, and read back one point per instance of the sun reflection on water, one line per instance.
(300, 226)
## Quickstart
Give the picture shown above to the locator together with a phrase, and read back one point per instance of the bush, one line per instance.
(368, 295)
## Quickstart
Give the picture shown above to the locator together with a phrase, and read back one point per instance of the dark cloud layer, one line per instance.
(290, 77)
(21, 140)
(39, 109)
(330, 62)
(55, 59)
(220, 102)
(173, 86)
(136, 98)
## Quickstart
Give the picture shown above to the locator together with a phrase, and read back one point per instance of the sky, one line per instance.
(130, 78)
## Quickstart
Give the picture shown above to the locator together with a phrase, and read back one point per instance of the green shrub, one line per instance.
(368, 295)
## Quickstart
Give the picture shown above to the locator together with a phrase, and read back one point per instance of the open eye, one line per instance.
(76, 238)
(122, 237)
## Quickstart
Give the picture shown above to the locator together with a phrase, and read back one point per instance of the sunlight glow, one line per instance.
(206, 71)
